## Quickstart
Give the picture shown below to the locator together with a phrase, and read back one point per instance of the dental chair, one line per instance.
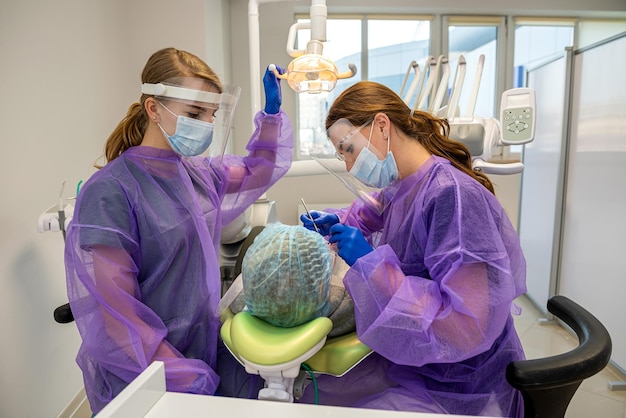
(284, 357)
(279, 354)
(548, 384)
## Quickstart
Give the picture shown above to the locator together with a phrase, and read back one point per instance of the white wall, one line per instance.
(68, 72)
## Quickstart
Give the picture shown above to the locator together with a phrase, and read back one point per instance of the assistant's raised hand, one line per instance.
(273, 95)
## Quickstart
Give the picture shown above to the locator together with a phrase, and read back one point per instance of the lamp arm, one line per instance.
(254, 53)
(318, 15)
(317, 25)
(291, 38)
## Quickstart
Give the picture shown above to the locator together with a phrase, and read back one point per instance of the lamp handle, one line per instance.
(272, 68)
(348, 74)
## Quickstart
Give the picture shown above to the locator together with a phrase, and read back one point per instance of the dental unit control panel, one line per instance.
(517, 116)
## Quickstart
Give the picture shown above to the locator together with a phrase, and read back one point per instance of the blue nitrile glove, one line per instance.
(323, 221)
(273, 97)
(351, 243)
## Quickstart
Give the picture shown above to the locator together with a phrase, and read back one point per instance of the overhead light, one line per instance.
(310, 71)
(314, 73)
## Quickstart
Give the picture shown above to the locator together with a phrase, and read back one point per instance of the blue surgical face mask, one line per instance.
(374, 172)
(192, 136)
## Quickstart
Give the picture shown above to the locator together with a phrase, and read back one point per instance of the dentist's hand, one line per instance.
(273, 96)
(323, 221)
(351, 243)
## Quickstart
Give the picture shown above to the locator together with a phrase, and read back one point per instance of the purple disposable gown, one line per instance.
(141, 258)
(434, 301)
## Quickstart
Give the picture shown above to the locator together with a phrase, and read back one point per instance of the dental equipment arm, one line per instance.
(482, 135)
(459, 78)
(413, 85)
(412, 66)
(418, 83)
(497, 168)
(56, 217)
(61, 210)
(443, 87)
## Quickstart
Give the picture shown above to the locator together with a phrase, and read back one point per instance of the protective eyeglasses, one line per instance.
(340, 156)
(346, 144)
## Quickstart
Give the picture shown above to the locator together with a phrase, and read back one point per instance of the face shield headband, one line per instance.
(223, 105)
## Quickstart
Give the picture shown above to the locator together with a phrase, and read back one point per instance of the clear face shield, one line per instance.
(195, 98)
(348, 141)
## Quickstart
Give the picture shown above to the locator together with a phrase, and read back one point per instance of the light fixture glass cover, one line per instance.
(312, 73)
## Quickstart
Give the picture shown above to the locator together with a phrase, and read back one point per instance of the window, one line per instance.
(537, 42)
(392, 45)
(381, 48)
(472, 37)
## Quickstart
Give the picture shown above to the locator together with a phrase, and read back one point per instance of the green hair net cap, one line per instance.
(286, 275)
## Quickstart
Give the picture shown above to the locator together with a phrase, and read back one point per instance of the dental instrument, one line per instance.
(309, 215)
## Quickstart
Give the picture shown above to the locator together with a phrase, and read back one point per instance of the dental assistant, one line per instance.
(141, 256)
(433, 274)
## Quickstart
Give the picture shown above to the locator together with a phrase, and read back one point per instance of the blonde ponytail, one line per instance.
(165, 64)
(128, 133)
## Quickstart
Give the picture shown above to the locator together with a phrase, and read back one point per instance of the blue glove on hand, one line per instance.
(273, 97)
(323, 221)
(351, 243)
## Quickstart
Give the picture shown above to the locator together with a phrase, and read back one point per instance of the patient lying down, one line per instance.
(290, 276)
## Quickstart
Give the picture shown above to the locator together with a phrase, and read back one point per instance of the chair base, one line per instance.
(548, 403)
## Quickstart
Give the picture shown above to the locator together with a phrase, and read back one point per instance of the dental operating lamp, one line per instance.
(310, 71)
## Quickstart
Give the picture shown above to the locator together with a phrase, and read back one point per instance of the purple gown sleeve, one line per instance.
(136, 331)
(462, 307)
(121, 334)
(141, 260)
(270, 152)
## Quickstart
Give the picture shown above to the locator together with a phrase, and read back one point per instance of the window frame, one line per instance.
(439, 26)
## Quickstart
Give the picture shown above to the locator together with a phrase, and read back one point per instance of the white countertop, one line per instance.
(146, 397)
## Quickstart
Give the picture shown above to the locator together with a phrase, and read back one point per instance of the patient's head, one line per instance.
(286, 275)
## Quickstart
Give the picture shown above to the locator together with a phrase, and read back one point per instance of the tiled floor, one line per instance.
(542, 339)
